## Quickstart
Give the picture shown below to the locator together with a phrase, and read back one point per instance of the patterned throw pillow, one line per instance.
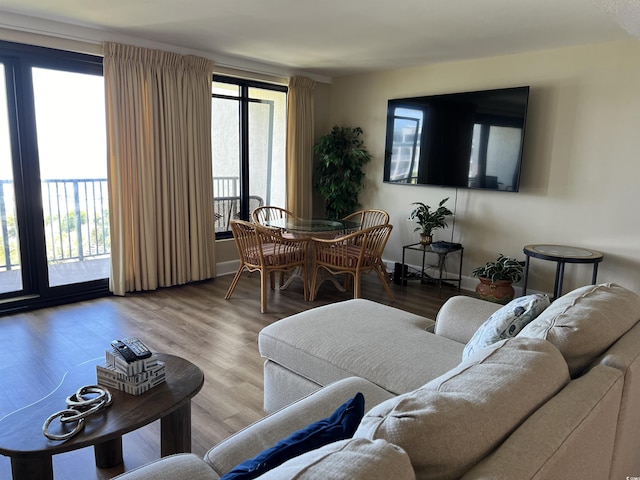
(507, 322)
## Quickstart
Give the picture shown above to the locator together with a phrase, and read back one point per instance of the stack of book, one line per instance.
(132, 377)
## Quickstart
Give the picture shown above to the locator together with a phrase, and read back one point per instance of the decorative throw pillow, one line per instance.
(339, 426)
(507, 322)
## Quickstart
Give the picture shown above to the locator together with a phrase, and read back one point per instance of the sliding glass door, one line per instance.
(54, 218)
(72, 155)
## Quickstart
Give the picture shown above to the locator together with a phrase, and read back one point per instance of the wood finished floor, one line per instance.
(193, 321)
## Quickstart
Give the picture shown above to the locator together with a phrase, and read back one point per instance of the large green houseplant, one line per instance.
(338, 175)
(497, 278)
(429, 219)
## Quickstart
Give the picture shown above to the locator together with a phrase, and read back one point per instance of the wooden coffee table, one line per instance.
(21, 435)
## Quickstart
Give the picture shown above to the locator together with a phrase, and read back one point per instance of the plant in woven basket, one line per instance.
(504, 268)
(496, 279)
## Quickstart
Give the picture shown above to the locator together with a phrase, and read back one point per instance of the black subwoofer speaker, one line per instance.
(400, 274)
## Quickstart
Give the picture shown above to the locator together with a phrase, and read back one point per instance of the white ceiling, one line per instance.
(336, 37)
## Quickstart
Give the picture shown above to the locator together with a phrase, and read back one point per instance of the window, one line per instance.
(248, 146)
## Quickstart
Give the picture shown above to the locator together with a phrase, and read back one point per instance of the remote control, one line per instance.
(124, 350)
(139, 349)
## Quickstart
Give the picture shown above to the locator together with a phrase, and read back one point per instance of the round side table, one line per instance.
(561, 254)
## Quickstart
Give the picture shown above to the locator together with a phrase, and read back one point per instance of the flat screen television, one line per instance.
(462, 140)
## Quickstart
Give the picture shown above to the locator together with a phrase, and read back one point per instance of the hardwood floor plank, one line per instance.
(193, 321)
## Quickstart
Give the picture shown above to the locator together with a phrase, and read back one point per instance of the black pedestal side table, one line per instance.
(561, 254)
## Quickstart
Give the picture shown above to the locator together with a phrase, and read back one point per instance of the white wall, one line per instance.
(581, 166)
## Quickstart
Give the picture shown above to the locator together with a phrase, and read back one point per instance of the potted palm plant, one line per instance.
(429, 219)
(339, 177)
(497, 279)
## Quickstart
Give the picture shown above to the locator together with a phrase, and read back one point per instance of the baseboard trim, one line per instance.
(227, 268)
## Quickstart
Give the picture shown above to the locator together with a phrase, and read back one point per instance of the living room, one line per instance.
(576, 189)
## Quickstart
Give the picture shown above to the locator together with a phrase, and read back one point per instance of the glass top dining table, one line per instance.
(313, 226)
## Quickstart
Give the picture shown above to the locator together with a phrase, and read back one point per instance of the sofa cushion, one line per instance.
(585, 322)
(357, 338)
(353, 459)
(507, 321)
(452, 422)
(339, 426)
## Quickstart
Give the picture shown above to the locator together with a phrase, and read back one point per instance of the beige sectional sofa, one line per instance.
(561, 400)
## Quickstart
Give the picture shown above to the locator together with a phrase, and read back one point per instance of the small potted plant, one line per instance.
(497, 278)
(429, 220)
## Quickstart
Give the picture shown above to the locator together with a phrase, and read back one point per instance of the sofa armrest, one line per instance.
(182, 465)
(266, 432)
(461, 316)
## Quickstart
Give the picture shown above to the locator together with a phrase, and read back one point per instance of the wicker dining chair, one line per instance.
(261, 215)
(368, 218)
(264, 213)
(353, 254)
(265, 250)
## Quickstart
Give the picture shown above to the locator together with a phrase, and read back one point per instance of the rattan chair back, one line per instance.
(267, 251)
(353, 254)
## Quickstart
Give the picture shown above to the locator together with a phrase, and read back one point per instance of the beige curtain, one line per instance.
(159, 168)
(300, 113)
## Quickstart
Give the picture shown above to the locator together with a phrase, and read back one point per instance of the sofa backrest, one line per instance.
(454, 421)
(584, 323)
(570, 436)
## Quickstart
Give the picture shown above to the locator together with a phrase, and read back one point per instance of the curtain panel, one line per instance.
(160, 181)
(300, 126)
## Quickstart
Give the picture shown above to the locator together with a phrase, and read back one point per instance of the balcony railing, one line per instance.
(226, 202)
(228, 208)
(76, 218)
(7, 227)
(76, 221)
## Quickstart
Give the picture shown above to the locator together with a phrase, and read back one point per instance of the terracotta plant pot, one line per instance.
(426, 239)
(500, 291)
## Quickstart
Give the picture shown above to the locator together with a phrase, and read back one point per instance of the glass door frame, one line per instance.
(36, 292)
(244, 100)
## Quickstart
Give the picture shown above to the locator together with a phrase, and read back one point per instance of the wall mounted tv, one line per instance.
(463, 140)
